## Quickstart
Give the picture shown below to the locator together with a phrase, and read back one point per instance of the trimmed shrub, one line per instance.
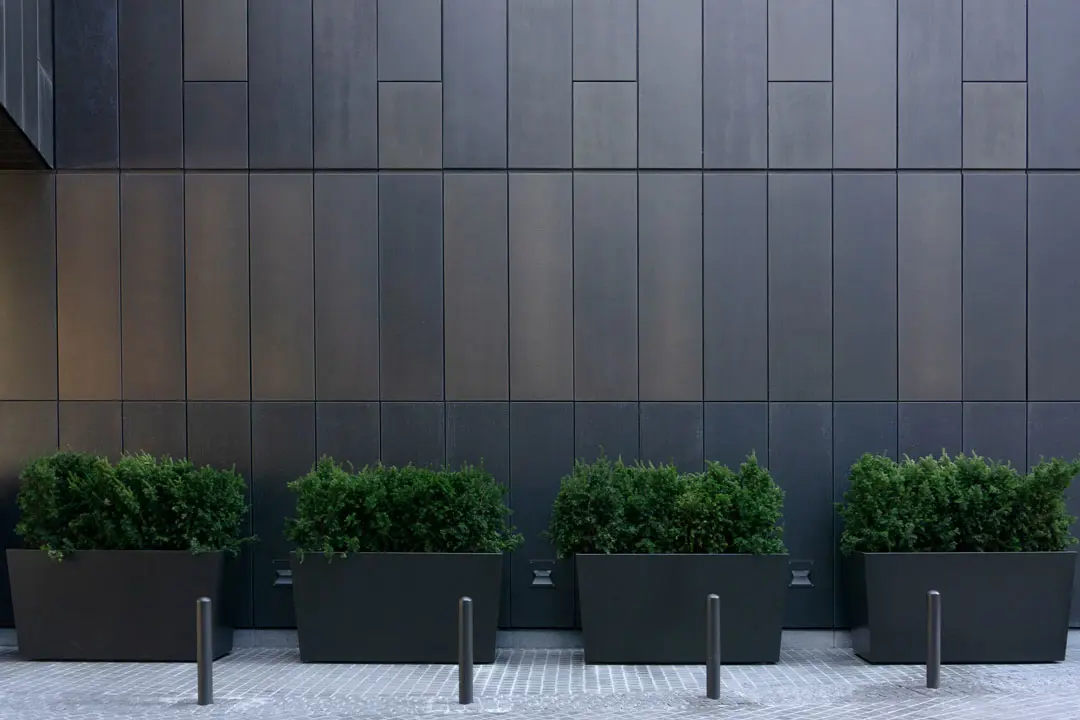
(77, 501)
(390, 509)
(611, 507)
(955, 504)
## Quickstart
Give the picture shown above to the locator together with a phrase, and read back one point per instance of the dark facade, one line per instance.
(26, 86)
(523, 230)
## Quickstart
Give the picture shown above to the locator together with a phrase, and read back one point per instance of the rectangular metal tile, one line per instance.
(11, 58)
(215, 39)
(410, 40)
(800, 40)
(345, 83)
(45, 116)
(801, 461)
(800, 287)
(151, 52)
(995, 286)
(995, 126)
(864, 84)
(88, 285)
(997, 430)
(734, 431)
(349, 432)
(605, 39)
(474, 84)
(282, 287)
(215, 125)
(605, 293)
(929, 274)
(45, 34)
(152, 286)
(541, 453)
(736, 297)
(1053, 103)
(216, 282)
(411, 286)
(673, 432)
(670, 286)
(930, 428)
(1053, 312)
(347, 286)
(605, 125)
(413, 432)
(282, 449)
(280, 124)
(670, 83)
(29, 119)
(736, 96)
(864, 286)
(410, 125)
(800, 125)
(91, 426)
(930, 42)
(609, 429)
(28, 243)
(995, 40)
(541, 286)
(158, 428)
(540, 90)
(87, 123)
(477, 303)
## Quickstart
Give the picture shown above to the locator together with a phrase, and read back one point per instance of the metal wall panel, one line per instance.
(411, 286)
(410, 125)
(995, 286)
(152, 286)
(215, 39)
(736, 296)
(669, 83)
(541, 286)
(280, 124)
(929, 35)
(997, 430)
(12, 58)
(45, 34)
(349, 432)
(800, 125)
(216, 282)
(995, 125)
(864, 286)
(92, 426)
(88, 285)
(347, 287)
(282, 287)
(736, 97)
(605, 293)
(410, 40)
(735, 430)
(605, 39)
(609, 429)
(345, 113)
(151, 57)
(540, 117)
(669, 286)
(474, 84)
(929, 275)
(673, 432)
(29, 65)
(158, 428)
(995, 40)
(800, 40)
(477, 303)
(605, 125)
(1053, 103)
(864, 84)
(800, 287)
(413, 432)
(45, 117)
(215, 125)
(930, 428)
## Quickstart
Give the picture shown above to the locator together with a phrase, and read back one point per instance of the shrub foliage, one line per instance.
(77, 501)
(961, 504)
(611, 507)
(407, 509)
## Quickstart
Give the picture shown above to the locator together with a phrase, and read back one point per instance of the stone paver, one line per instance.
(271, 684)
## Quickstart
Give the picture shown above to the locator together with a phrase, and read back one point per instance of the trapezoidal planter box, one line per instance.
(394, 607)
(115, 605)
(650, 609)
(1010, 607)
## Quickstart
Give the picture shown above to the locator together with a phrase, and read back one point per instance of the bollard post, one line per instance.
(712, 647)
(465, 651)
(933, 639)
(204, 650)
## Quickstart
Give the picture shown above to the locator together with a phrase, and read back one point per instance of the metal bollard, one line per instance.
(465, 651)
(712, 647)
(204, 650)
(933, 639)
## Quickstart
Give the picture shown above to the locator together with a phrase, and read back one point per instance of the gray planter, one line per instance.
(996, 607)
(650, 609)
(394, 607)
(115, 605)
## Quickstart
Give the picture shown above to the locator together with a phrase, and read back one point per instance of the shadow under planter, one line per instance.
(115, 605)
(1009, 607)
(650, 609)
(394, 607)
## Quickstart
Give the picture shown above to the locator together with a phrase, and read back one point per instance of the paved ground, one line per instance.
(271, 684)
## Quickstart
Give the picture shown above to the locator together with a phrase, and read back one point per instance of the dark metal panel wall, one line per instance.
(26, 84)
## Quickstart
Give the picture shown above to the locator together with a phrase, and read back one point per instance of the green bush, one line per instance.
(955, 504)
(610, 507)
(391, 509)
(77, 501)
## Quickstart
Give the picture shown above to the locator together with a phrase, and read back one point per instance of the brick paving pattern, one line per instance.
(808, 684)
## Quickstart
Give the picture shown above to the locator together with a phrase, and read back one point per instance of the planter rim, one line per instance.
(71, 553)
(682, 554)
(319, 553)
(969, 553)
